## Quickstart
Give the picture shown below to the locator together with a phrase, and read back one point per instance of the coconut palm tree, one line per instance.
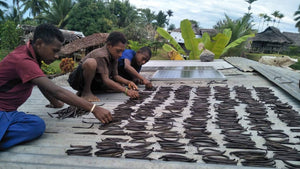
(13, 15)
(297, 18)
(35, 6)
(250, 2)
(58, 13)
(261, 16)
(275, 14)
(169, 13)
(239, 28)
(266, 17)
(5, 5)
(280, 16)
(17, 3)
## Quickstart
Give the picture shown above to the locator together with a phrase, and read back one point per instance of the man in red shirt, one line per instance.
(19, 72)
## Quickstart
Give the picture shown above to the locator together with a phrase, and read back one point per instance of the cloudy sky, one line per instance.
(208, 12)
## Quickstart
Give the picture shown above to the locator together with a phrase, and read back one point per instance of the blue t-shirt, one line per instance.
(128, 54)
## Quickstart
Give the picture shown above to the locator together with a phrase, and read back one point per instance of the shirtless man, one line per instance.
(98, 71)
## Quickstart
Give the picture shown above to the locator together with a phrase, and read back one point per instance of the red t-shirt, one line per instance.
(18, 65)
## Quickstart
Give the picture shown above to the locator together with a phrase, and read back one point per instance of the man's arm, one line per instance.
(54, 103)
(70, 98)
(128, 68)
(117, 86)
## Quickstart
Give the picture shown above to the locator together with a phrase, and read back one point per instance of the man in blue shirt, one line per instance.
(130, 64)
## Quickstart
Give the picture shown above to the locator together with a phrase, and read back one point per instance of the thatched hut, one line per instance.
(270, 40)
(84, 45)
(293, 36)
(68, 35)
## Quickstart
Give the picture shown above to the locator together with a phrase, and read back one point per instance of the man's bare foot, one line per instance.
(90, 97)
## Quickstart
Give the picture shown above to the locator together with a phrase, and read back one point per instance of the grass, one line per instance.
(160, 55)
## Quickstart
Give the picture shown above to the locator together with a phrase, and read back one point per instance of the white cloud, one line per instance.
(209, 12)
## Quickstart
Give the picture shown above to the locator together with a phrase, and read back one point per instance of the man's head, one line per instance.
(143, 55)
(47, 41)
(116, 43)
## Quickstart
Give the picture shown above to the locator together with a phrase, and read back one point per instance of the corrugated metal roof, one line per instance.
(286, 79)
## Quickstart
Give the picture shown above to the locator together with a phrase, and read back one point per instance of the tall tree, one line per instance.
(169, 13)
(297, 18)
(148, 16)
(268, 19)
(275, 14)
(13, 15)
(123, 12)
(90, 16)
(35, 6)
(239, 28)
(261, 16)
(17, 3)
(59, 13)
(5, 5)
(280, 16)
(171, 27)
(250, 2)
(265, 17)
(161, 19)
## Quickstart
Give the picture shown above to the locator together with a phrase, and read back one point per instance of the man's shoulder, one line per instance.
(128, 53)
(100, 52)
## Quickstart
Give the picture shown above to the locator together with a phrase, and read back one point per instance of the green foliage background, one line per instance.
(9, 35)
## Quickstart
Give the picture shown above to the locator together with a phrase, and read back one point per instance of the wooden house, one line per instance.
(293, 36)
(271, 40)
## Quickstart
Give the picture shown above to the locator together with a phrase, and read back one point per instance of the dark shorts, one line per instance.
(76, 81)
(122, 72)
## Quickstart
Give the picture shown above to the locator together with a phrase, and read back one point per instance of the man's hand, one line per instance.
(133, 94)
(102, 114)
(131, 85)
(148, 84)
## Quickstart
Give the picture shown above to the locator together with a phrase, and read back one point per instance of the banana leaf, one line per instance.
(172, 41)
(190, 40)
(219, 44)
(168, 48)
(237, 42)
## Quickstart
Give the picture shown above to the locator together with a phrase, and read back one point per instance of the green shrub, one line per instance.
(48, 69)
(9, 35)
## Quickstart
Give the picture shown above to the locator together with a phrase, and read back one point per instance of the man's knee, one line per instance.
(89, 64)
(37, 126)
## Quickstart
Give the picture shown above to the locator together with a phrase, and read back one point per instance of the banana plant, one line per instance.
(171, 40)
(219, 43)
(190, 40)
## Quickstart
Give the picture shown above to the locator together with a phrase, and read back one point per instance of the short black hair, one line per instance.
(115, 37)
(146, 49)
(47, 33)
